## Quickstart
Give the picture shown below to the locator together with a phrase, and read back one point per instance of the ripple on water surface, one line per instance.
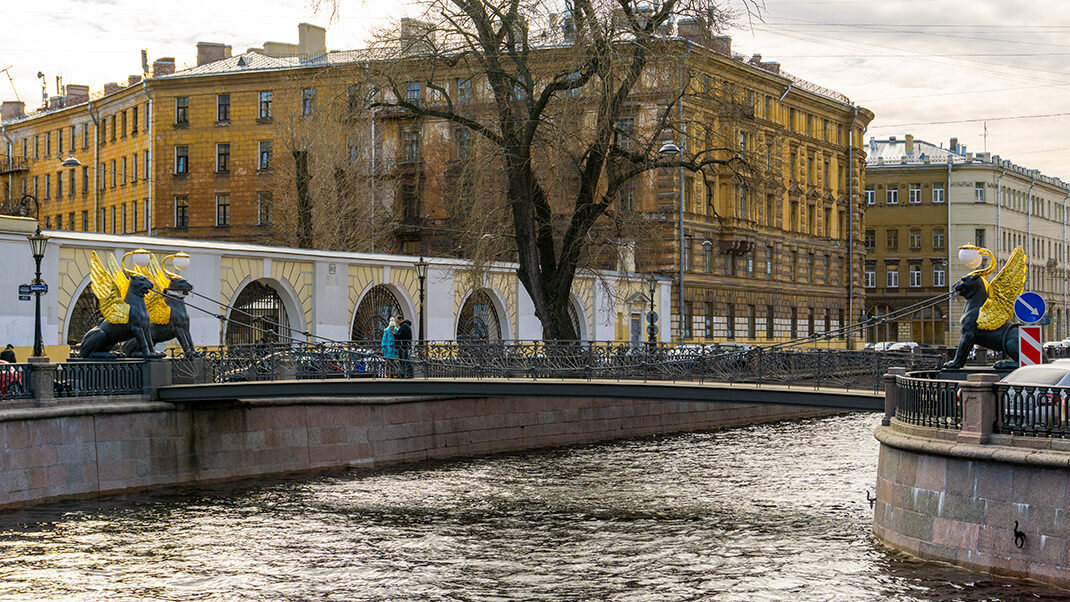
(769, 512)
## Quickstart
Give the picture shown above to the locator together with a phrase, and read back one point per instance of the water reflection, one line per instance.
(771, 512)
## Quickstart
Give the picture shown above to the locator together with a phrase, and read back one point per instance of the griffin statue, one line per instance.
(989, 306)
(141, 307)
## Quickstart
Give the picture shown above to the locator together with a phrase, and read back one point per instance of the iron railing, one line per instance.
(925, 401)
(1032, 410)
(85, 379)
(15, 381)
(542, 359)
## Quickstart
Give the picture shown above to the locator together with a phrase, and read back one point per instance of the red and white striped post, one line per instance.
(1030, 346)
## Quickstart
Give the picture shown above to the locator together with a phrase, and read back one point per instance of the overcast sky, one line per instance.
(932, 68)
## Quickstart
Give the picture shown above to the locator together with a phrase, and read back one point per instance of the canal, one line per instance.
(769, 512)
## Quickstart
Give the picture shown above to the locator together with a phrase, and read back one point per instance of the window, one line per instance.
(59, 184)
(915, 276)
(893, 239)
(114, 173)
(979, 192)
(222, 209)
(123, 123)
(147, 213)
(48, 144)
(85, 138)
(265, 155)
(85, 220)
(731, 320)
(707, 257)
(463, 138)
(181, 211)
(870, 279)
(265, 104)
(122, 172)
(794, 322)
(133, 168)
(768, 156)
(122, 218)
(915, 194)
(979, 237)
(915, 238)
(810, 266)
(59, 144)
(181, 110)
(750, 263)
(938, 275)
(892, 276)
(70, 137)
(938, 238)
(412, 93)
(37, 147)
(85, 179)
(685, 253)
(769, 261)
(891, 196)
(769, 321)
(222, 108)
(263, 208)
(133, 216)
(871, 196)
(48, 186)
(752, 322)
(464, 90)
(687, 319)
(307, 95)
(794, 265)
(181, 160)
(133, 128)
(828, 269)
(222, 157)
(145, 165)
(147, 117)
(625, 132)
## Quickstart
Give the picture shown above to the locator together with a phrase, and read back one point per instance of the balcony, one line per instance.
(10, 165)
(737, 236)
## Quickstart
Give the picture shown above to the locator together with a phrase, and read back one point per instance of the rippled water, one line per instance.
(772, 512)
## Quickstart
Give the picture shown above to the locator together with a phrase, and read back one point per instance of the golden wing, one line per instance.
(155, 302)
(1002, 291)
(107, 292)
(117, 273)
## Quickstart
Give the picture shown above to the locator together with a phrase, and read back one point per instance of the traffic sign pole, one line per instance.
(1030, 346)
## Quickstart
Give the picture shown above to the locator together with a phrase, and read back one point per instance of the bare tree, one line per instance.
(559, 81)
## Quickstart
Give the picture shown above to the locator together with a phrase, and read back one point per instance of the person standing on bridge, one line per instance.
(8, 354)
(404, 345)
(389, 348)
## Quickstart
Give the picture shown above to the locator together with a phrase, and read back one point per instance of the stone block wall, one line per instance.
(57, 453)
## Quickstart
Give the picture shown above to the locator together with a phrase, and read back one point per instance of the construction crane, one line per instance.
(6, 71)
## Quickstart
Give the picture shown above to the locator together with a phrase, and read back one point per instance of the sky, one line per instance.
(992, 73)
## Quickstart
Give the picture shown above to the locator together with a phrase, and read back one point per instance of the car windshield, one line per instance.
(1039, 375)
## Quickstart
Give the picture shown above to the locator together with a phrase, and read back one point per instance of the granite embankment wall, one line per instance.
(118, 445)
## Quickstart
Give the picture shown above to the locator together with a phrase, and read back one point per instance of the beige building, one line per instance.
(924, 201)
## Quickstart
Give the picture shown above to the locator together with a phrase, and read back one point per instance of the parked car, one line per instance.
(904, 346)
(1039, 394)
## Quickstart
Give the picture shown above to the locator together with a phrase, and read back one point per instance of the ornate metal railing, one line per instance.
(541, 359)
(15, 381)
(84, 379)
(925, 401)
(1033, 410)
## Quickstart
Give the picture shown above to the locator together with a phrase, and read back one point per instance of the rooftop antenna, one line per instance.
(6, 71)
(144, 61)
(44, 88)
(985, 136)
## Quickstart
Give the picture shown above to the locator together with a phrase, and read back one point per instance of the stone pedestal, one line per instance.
(42, 381)
(978, 408)
(891, 393)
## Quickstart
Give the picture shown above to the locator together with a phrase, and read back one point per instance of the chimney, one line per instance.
(954, 145)
(130, 80)
(210, 52)
(279, 49)
(909, 144)
(163, 66)
(311, 40)
(771, 67)
(77, 94)
(111, 88)
(722, 45)
(11, 109)
(694, 30)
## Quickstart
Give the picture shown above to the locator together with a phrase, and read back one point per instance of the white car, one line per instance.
(1039, 395)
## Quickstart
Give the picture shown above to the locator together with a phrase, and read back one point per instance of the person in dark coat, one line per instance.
(403, 340)
(8, 355)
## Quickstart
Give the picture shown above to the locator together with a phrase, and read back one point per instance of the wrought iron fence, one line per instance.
(543, 359)
(85, 379)
(925, 401)
(1033, 410)
(15, 381)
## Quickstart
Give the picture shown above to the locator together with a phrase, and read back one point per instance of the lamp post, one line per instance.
(652, 327)
(38, 242)
(421, 274)
(671, 149)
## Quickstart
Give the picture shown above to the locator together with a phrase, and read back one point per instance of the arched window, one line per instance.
(85, 314)
(479, 320)
(258, 315)
(374, 313)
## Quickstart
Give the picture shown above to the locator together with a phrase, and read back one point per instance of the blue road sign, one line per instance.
(24, 297)
(24, 289)
(1029, 307)
(38, 288)
(652, 317)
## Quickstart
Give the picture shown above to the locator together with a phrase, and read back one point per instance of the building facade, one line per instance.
(924, 202)
(218, 152)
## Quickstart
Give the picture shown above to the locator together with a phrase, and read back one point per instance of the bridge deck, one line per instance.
(840, 399)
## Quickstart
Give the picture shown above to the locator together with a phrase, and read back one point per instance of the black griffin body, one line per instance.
(177, 327)
(1003, 339)
(97, 343)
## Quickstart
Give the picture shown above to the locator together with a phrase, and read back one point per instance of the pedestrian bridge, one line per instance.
(705, 392)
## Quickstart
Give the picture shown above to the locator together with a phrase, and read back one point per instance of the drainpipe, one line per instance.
(947, 201)
(1062, 258)
(10, 174)
(999, 206)
(850, 223)
(96, 166)
(680, 220)
(152, 158)
(1029, 229)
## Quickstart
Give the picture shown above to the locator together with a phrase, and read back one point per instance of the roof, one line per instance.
(894, 150)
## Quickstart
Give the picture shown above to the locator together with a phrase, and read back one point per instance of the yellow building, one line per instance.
(924, 201)
(216, 151)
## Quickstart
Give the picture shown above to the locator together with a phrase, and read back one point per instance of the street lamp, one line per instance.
(421, 274)
(671, 149)
(652, 328)
(38, 242)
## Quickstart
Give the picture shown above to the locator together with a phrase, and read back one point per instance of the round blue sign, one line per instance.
(1029, 307)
